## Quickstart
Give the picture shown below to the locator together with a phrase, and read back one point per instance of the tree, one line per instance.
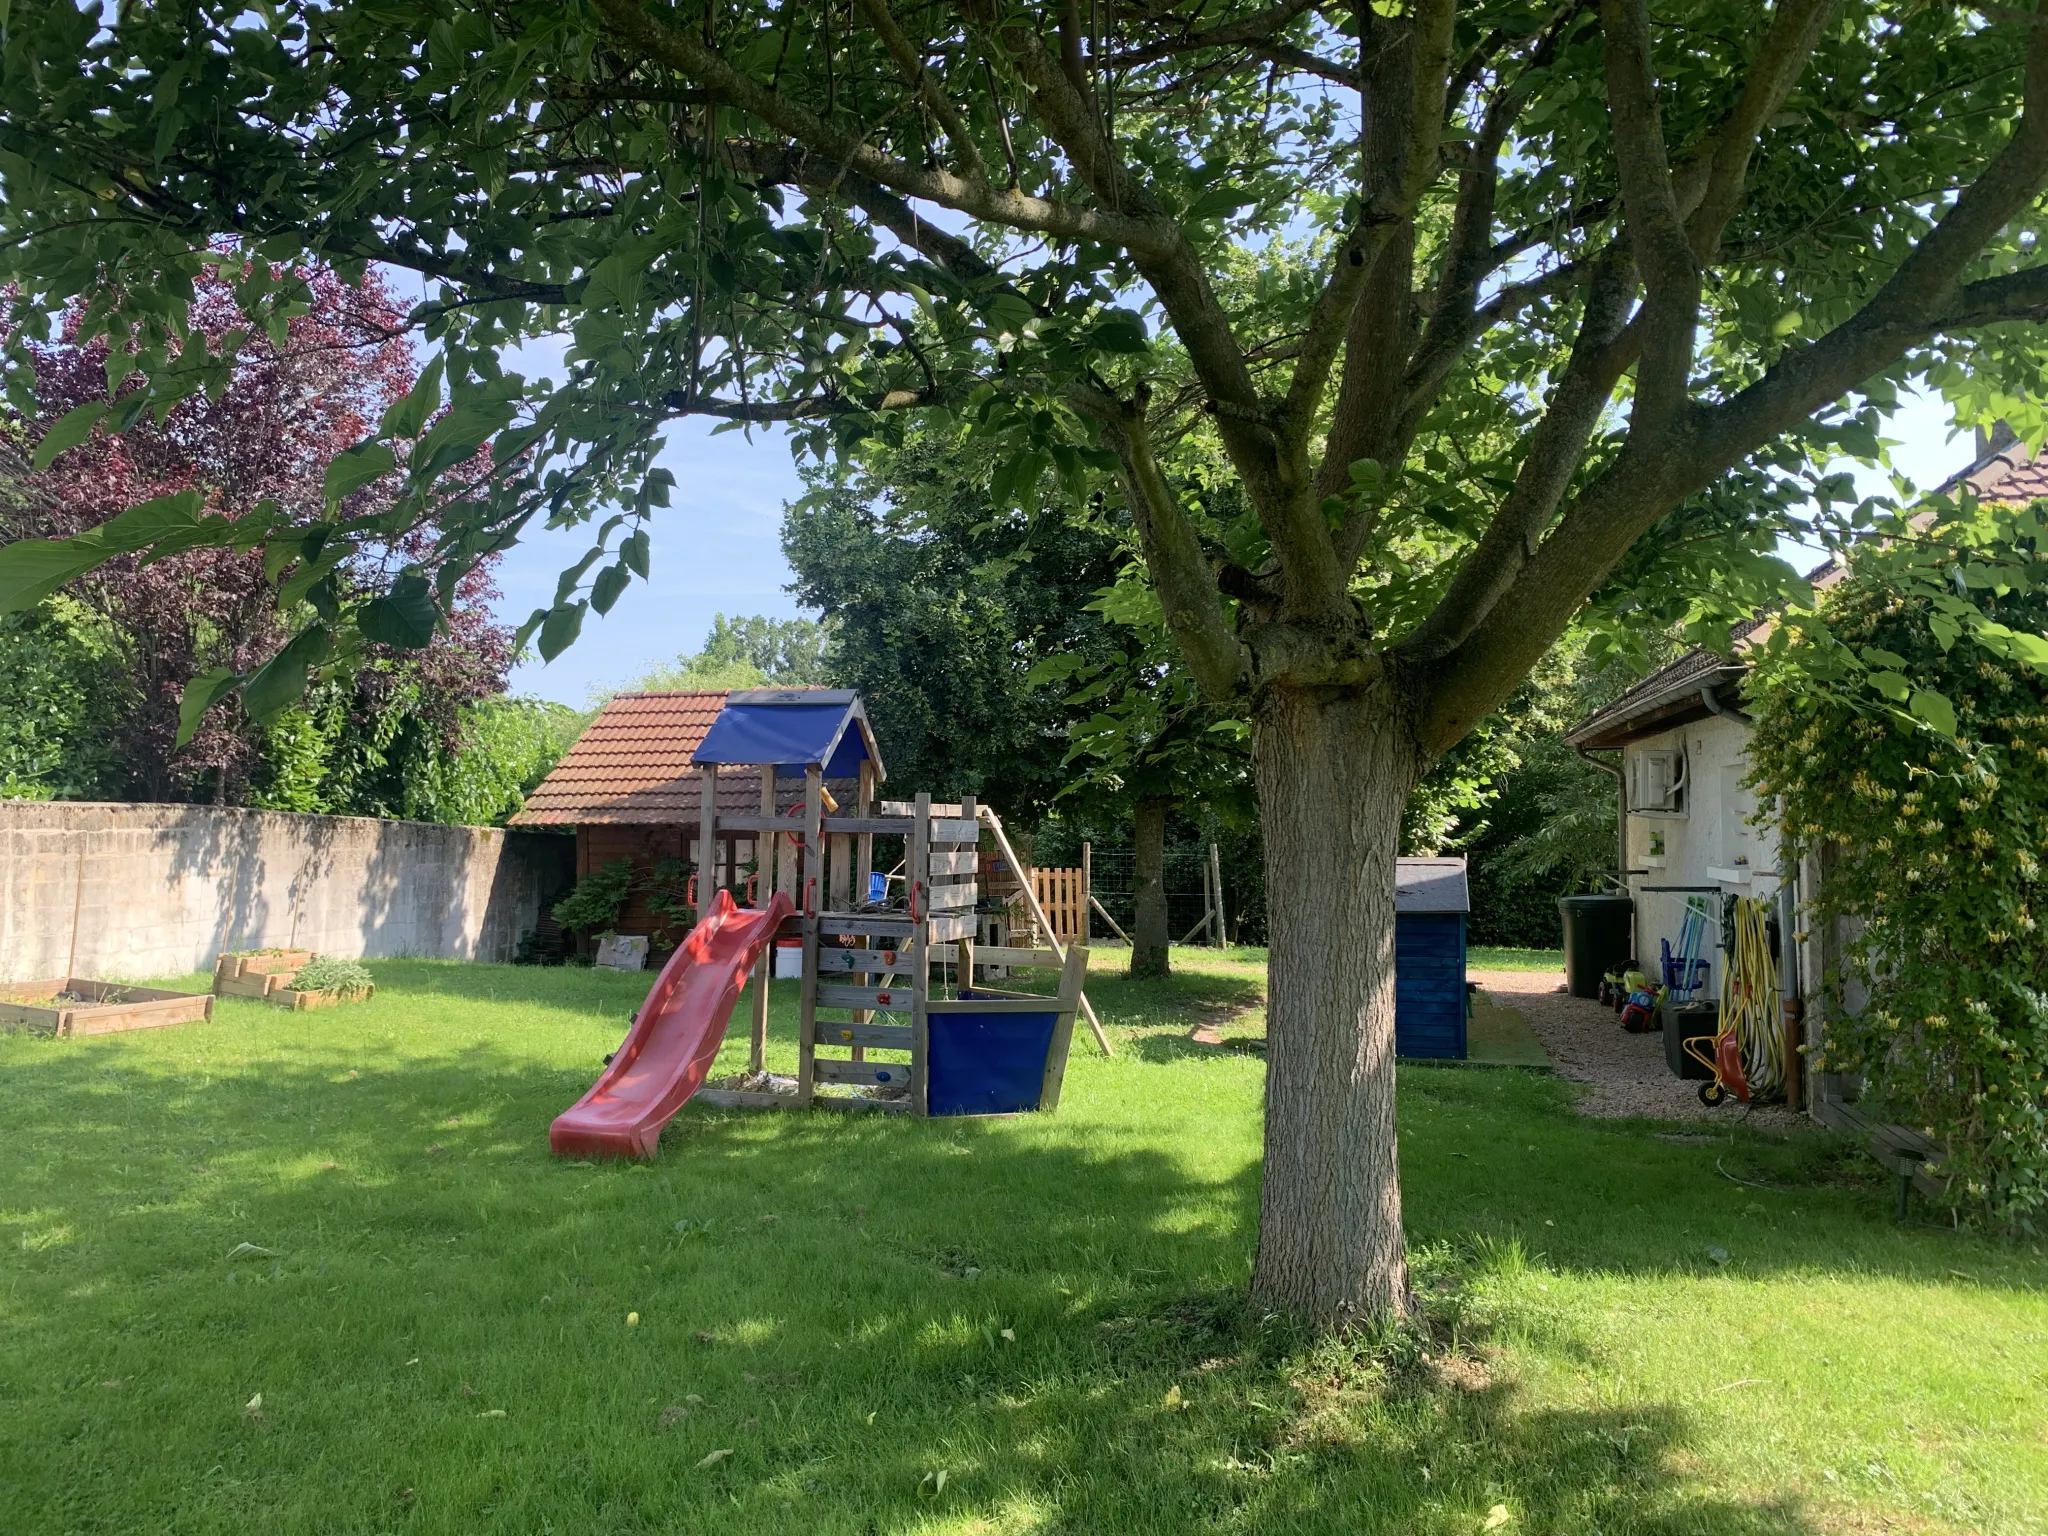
(750, 653)
(1929, 841)
(942, 604)
(288, 405)
(1571, 273)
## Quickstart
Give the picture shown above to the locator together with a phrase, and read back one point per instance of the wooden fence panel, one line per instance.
(1064, 895)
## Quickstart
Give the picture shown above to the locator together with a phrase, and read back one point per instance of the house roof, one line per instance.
(2004, 471)
(632, 765)
(1430, 885)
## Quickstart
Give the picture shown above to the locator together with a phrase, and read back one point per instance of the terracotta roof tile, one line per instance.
(632, 764)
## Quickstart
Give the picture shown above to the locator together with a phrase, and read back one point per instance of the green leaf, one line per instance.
(356, 467)
(1891, 685)
(31, 569)
(1121, 330)
(403, 618)
(533, 622)
(201, 694)
(1219, 201)
(634, 551)
(560, 629)
(1935, 709)
(611, 581)
(1878, 656)
(68, 431)
(408, 417)
(281, 681)
(1944, 629)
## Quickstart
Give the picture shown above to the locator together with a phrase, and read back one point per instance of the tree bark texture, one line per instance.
(1335, 768)
(1149, 935)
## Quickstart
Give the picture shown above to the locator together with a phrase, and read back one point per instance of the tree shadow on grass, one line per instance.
(435, 1314)
(847, 1307)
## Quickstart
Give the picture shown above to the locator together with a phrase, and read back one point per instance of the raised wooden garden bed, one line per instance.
(267, 976)
(260, 973)
(286, 997)
(75, 1005)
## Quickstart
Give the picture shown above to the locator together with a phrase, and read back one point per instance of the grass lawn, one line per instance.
(318, 1273)
(1500, 957)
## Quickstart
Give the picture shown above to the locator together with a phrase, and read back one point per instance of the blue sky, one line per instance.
(718, 549)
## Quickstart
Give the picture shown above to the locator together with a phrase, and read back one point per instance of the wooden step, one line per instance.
(865, 925)
(860, 962)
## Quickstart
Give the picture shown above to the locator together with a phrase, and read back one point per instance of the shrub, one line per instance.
(1932, 848)
(600, 896)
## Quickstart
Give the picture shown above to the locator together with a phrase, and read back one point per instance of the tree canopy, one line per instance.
(1483, 315)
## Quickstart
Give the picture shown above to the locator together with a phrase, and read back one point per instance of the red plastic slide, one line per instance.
(675, 1036)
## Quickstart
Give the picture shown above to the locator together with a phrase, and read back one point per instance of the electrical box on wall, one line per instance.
(1656, 783)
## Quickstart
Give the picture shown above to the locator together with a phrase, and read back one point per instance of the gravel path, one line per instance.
(1625, 1074)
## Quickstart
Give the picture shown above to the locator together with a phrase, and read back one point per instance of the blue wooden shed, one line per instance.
(1430, 906)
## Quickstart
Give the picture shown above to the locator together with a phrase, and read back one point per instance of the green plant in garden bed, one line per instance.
(1932, 816)
(330, 973)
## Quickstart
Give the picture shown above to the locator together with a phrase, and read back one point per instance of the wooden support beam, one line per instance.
(995, 824)
(764, 887)
(916, 876)
(810, 890)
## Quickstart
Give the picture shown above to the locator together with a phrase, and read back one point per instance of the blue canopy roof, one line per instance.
(795, 729)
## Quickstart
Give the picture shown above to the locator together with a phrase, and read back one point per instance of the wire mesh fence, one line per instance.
(1186, 867)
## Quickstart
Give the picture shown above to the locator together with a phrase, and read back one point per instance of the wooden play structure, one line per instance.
(895, 1011)
(892, 1001)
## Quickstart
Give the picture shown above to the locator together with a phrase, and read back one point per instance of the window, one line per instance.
(1657, 783)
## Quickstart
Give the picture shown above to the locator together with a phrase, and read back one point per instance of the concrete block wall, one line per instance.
(131, 891)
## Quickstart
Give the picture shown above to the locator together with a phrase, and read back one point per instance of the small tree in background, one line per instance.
(749, 653)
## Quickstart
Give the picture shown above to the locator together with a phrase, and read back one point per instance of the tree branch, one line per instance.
(1173, 552)
(693, 59)
(936, 101)
(1663, 253)
(1922, 297)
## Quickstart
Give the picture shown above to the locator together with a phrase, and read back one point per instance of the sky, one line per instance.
(718, 549)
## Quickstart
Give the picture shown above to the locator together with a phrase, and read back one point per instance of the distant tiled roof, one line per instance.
(633, 765)
(2008, 474)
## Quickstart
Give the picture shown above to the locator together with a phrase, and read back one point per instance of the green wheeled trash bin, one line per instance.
(1599, 936)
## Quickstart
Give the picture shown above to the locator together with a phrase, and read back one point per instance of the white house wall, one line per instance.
(1712, 846)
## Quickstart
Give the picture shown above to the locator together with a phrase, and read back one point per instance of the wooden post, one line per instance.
(1073, 971)
(811, 886)
(77, 901)
(917, 877)
(864, 845)
(1216, 882)
(707, 836)
(764, 887)
(995, 825)
(1087, 888)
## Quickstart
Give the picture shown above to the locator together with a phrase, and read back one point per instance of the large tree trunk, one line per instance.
(1149, 933)
(1334, 772)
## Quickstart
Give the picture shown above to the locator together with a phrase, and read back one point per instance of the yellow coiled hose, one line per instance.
(1749, 1000)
